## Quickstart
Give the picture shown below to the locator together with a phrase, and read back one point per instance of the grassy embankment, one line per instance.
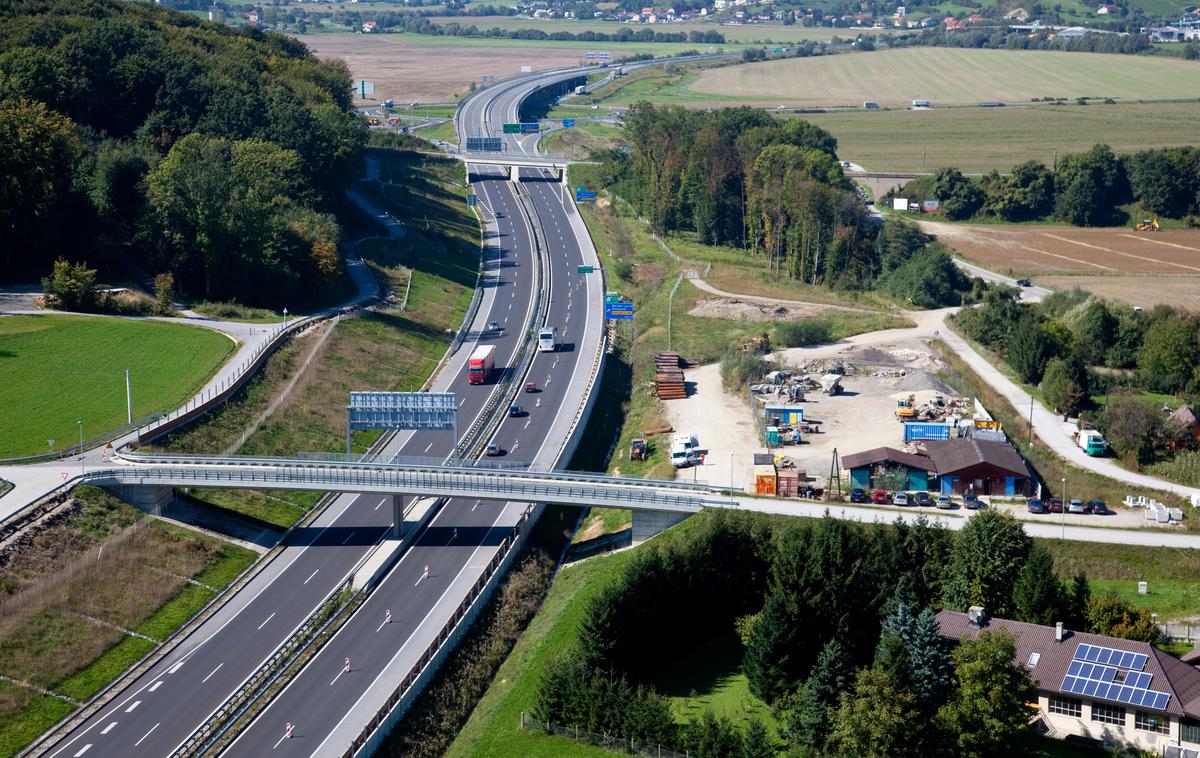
(384, 349)
(56, 369)
(624, 243)
(62, 611)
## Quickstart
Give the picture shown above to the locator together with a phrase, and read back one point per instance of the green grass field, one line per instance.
(57, 369)
(982, 139)
(952, 75)
(1173, 590)
(734, 35)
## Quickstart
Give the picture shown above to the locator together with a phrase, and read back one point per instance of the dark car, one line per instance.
(922, 498)
(1024, 283)
(493, 450)
(515, 411)
(880, 497)
(972, 503)
(1035, 505)
(1098, 507)
(859, 495)
(1054, 505)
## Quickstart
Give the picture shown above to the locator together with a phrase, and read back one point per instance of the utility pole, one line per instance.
(1031, 419)
(81, 464)
(128, 399)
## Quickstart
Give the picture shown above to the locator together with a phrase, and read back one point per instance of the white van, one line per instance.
(683, 451)
(548, 340)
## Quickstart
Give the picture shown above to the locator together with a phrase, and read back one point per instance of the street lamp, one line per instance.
(285, 318)
(731, 498)
(1064, 507)
(81, 464)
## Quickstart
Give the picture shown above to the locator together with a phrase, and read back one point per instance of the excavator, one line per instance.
(905, 409)
(1147, 225)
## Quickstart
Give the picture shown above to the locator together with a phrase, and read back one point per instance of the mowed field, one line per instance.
(57, 369)
(952, 76)
(977, 140)
(734, 33)
(1138, 268)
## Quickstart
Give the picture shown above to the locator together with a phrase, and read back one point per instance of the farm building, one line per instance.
(864, 467)
(783, 414)
(980, 467)
(1185, 422)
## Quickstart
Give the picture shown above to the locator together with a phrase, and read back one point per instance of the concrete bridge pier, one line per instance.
(646, 524)
(151, 498)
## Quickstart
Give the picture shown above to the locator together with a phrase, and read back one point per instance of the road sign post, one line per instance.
(531, 127)
(568, 123)
(472, 200)
(585, 269)
(512, 128)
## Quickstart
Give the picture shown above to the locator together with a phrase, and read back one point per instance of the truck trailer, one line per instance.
(481, 363)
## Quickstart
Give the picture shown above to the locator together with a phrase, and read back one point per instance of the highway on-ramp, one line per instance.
(162, 707)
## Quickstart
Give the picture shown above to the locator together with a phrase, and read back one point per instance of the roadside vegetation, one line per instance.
(58, 369)
(86, 594)
(213, 156)
(771, 590)
(384, 348)
(1121, 370)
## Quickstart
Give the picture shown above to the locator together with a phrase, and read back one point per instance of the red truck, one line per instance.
(481, 363)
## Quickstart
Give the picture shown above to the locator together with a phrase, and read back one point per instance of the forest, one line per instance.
(135, 134)
(773, 188)
(834, 622)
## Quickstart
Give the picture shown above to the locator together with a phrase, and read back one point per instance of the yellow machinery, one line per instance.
(1147, 225)
(760, 344)
(905, 409)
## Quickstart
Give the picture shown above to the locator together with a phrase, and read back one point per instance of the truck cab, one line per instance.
(1092, 442)
(548, 340)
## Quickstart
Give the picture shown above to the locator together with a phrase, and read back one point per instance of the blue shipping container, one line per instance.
(926, 431)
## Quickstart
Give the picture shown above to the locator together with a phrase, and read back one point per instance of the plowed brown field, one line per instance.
(1143, 268)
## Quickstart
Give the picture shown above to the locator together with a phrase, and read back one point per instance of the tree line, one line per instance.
(420, 24)
(1078, 346)
(1002, 38)
(834, 621)
(1083, 189)
(774, 188)
(212, 154)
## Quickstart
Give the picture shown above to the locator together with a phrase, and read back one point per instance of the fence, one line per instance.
(614, 742)
(1180, 633)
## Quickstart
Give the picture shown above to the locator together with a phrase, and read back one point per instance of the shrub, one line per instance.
(802, 333)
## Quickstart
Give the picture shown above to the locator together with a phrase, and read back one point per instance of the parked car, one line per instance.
(973, 503)
(900, 498)
(923, 499)
(945, 502)
(880, 497)
(1024, 283)
(493, 450)
(859, 495)
(1034, 505)
(1054, 505)
(1098, 507)
(1076, 506)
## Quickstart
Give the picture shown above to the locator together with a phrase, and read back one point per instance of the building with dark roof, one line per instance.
(980, 467)
(1119, 692)
(863, 466)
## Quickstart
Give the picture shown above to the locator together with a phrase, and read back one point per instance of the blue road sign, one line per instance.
(529, 128)
(472, 199)
(583, 196)
(618, 311)
(568, 123)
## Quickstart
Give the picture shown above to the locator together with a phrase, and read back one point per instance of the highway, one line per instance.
(161, 708)
(328, 703)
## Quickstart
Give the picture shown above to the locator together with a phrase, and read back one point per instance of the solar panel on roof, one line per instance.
(1110, 656)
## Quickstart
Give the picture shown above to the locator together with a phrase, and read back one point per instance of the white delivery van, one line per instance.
(547, 340)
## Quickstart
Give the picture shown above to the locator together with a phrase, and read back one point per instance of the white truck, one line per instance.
(548, 340)
(1092, 442)
(684, 450)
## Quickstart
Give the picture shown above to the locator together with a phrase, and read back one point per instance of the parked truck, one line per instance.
(1092, 442)
(481, 363)
(684, 450)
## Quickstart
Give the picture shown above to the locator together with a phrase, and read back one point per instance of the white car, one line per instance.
(900, 498)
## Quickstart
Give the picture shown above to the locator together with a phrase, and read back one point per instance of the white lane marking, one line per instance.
(428, 446)
(108, 728)
(339, 674)
(264, 623)
(83, 750)
(460, 402)
(179, 665)
(136, 703)
(473, 507)
(281, 739)
(155, 686)
(218, 668)
(147, 734)
(348, 536)
(527, 423)
(310, 576)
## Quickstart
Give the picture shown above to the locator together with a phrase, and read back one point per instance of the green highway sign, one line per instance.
(512, 128)
(586, 269)
(612, 297)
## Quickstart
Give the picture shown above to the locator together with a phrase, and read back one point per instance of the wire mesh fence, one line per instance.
(616, 743)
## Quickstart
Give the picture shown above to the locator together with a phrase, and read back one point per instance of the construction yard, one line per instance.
(1140, 268)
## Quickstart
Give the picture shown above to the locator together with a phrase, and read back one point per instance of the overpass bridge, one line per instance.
(515, 161)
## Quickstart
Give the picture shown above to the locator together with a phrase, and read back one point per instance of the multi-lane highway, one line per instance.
(157, 712)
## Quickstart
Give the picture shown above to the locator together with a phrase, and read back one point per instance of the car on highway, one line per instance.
(1098, 507)
(859, 495)
(880, 497)
(1024, 283)
(1035, 505)
(531, 387)
(1076, 506)
(494, 327)
(515, 411)
(923, 499)
(1054, 505)
(900, 498)
(492, 450)
(972, 502)
(945, 502)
